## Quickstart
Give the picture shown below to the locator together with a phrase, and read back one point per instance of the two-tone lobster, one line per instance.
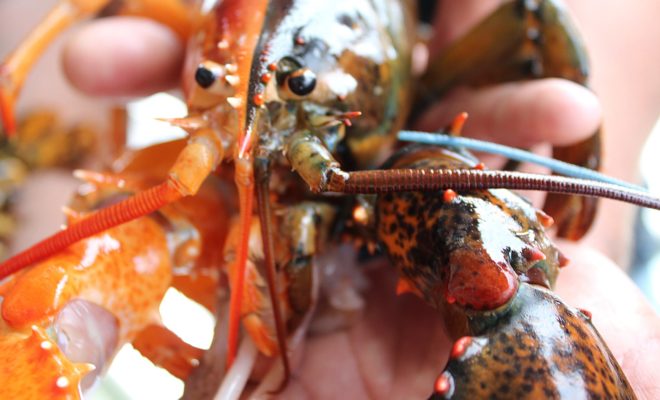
(291, 89)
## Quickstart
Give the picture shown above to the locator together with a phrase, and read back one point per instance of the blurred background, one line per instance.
(624, 43)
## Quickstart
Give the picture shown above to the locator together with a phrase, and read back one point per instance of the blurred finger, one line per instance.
(521, 113)
(123, 56)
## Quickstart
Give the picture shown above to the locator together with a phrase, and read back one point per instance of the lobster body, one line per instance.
(483, 259)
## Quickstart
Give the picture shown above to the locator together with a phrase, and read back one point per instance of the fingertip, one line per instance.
(123, 56)
(554, 110)
(522, 114)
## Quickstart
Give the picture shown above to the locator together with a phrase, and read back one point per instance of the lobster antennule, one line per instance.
(404, 180)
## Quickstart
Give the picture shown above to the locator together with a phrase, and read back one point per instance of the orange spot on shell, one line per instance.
(444, 384)
(258, 99)
(451, 299)
(272, 67)
(481, 166)
(265, 78)
(449, 195)
(404, 286)
(460, 346)
(299, 40)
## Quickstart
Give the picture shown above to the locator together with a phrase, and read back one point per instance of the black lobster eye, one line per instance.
(204, 77)
(301, 82)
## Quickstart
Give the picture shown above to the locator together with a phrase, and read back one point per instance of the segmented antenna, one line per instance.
(405, 180)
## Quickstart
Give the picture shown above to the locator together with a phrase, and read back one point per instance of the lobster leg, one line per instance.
(15, 68)
(307, 226)
(167, 350)
(295, 242)
(299, 237)
(525, 40)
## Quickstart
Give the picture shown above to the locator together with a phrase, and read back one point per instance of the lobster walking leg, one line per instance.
(165, 349)
(298, 238)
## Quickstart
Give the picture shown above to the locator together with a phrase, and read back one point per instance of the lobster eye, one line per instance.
(301, 82)
(204, 77)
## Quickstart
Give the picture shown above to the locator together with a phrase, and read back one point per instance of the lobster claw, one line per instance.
(525, 40)
(537, 348)
(574, 215)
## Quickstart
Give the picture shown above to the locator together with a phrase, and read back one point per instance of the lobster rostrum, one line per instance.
(270, 90)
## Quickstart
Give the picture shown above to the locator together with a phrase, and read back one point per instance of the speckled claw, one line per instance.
(538, 348)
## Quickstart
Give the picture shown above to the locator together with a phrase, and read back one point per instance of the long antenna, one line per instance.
(405, 180)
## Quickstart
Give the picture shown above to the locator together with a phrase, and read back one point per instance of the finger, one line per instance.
(623, 317)
(123, 56)
(521, 113)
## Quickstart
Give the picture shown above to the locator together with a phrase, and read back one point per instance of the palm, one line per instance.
(400, 345)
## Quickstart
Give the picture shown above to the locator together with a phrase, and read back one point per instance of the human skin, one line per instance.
(400, 345)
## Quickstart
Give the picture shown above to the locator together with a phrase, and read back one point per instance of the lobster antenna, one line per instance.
(407, 180)
(557, 166)
(262, 177)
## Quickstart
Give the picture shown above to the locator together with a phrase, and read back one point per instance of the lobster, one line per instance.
(267, 89)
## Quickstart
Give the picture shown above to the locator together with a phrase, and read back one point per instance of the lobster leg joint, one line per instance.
(312, 160)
